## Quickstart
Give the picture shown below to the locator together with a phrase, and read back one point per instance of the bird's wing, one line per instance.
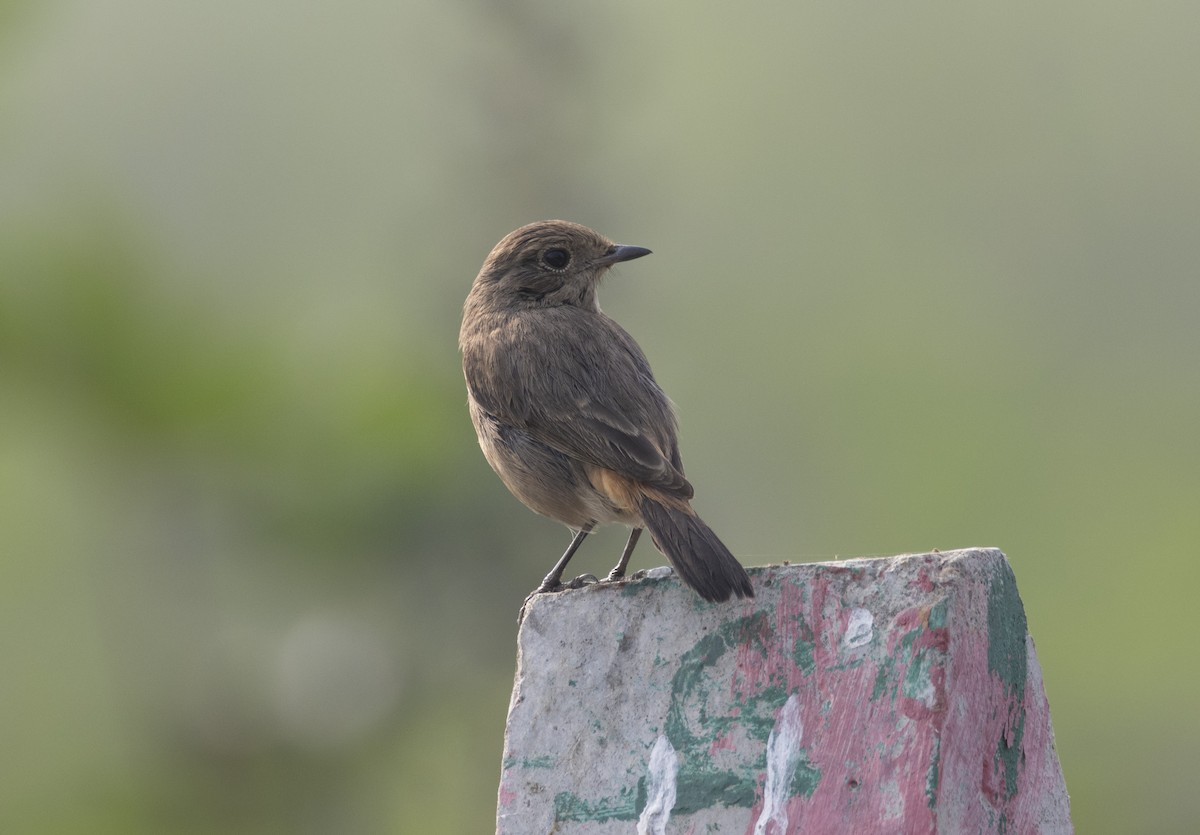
(588, 393)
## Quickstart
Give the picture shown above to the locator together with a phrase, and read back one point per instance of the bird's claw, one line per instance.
(550, 586)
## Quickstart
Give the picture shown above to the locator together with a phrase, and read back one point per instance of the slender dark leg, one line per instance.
(554, 578)
(619, 571)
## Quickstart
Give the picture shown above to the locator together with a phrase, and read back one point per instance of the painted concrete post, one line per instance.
(897, 695)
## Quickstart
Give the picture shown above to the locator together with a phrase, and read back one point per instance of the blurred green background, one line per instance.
(925, 275)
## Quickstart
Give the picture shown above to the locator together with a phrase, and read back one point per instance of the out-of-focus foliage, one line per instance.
(923, 278)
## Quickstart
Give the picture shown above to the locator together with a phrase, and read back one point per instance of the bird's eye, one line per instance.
(556, 259)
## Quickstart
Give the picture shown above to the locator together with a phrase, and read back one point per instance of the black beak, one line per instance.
(621, 253)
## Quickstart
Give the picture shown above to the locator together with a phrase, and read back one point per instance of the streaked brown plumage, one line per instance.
(567, 410)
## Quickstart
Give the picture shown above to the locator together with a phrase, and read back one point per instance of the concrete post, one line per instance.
(898, 695)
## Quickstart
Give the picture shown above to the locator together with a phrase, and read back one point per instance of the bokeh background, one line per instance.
(925, 275)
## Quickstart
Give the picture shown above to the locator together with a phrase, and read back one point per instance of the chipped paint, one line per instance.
(860, 628)
(783, 755)
(660, 790)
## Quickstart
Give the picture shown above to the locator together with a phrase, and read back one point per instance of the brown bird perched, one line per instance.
(567, 411)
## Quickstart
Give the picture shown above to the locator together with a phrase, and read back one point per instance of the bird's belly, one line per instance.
(544, 479)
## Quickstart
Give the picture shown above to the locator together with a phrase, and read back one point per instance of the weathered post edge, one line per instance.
(881, 695)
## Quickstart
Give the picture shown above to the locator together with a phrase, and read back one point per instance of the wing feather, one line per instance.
(590, 395)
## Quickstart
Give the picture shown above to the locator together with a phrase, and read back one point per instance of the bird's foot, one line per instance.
(552, 585)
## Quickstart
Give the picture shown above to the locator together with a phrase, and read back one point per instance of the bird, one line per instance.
(568, 412)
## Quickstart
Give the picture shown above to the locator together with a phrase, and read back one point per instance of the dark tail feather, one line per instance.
(697, 555)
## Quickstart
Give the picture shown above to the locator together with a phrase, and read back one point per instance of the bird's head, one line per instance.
(551, 262)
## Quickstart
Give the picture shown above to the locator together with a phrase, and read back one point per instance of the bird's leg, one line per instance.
(554, 579)
(619, 571)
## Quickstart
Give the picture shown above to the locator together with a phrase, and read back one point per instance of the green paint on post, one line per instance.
(758, 713)
(882, 676)
(624, 807)
(689, 686)
(937, 613)
(703, 790)
(545, 761)
(917, 683)
(1010, 756)
(1007, 629)
(802, 653)
(692, 730)
(931, 778)
(632, 589)
(805, 779)
(1007, 659)
(910, 637)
